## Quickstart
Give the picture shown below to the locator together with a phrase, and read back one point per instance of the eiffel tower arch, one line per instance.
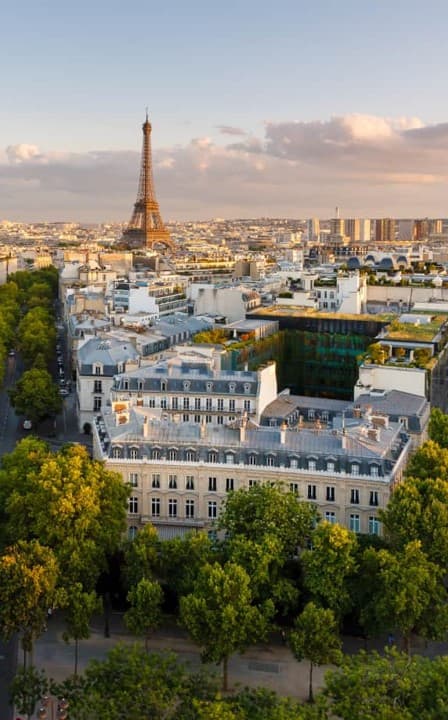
(146, 227)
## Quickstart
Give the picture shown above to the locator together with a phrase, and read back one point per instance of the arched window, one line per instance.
(117, 452)
(133, 453)
(172, 454)
(190, 456)
(155, 454)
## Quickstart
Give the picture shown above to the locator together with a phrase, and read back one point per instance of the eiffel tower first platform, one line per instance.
(146, 228)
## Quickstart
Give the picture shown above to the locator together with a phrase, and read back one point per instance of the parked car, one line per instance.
(12, 353)
(27, 424)
(63, 392)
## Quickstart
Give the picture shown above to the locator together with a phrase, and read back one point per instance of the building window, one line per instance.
(229, 484)
(355, 524)
(294, 488)
(373, 500)
(186, 385)
(98, 386)
(330, 493)
(133, 453)
(212, 509)
(324, 415)
(125, 384)
(355, 469)
(132, 532)
(197, 419)
(172, 507)
(311, 465)
(232, 387)
(253, 483)
(163, 403)
(230, 458)
(133, 505)
(208, 404)
(213, 457)
(212, 484)
(374, 525)
(172, 482)
(209, 386)
(186, 403)
(197, 403)
(330, 517)
(189, 482)
(163, 386)
(155, 507)
(220, 420)
(151, 402)
(97, 404)
(189, 508)
(232, 405)
(190, 456)
(330, 466)
(208, 419)
(354, 496)
(155, 454)
(156, 481)
(172, 454)
(175, 403)
(270, 460)
(116, 453)
(247, 405)
(293, 463)
(133, 479)
(311, 414)
(246, 387)
(311, 492)
(252, 459)
(186, 418)
(97, 369)
(374, 470)
(220, 404)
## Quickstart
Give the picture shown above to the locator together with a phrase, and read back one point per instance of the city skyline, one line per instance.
(284, 111)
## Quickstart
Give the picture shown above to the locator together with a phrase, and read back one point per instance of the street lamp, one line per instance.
(48, 703)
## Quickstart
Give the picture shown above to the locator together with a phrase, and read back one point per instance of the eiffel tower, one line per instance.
(146, 227)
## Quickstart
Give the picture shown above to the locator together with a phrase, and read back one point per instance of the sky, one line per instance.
(258, 108)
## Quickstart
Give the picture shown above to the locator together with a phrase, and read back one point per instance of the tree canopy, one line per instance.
(36, 395)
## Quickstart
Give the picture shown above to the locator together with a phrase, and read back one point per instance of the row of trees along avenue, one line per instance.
(64, 514)
(35, 395)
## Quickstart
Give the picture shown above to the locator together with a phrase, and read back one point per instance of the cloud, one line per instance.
(230, 130)
(370, 166)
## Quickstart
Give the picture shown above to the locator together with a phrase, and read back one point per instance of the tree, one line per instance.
(265, 563)
(181, 559)
(28, 579)
(36, 395)
(141, 556)
(27, 688)
(378, 353)
(315, 638)
(145, 613)
(80, 608)
(418, 510)
(390, 687)
(430, 461)
(71, 503)
(329, 565)
(135, 684)
(220, 616)
(268, 510)
(438, 427)
(410, 594)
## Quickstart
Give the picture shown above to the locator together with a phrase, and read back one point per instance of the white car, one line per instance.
(27, 424)
(63, 392)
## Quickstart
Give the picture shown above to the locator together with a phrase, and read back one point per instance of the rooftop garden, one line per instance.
(420, 333)
(299, 311)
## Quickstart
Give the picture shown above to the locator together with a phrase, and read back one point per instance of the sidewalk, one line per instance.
(269, 666)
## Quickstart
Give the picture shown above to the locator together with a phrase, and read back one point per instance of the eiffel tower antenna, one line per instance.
(146, 227)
